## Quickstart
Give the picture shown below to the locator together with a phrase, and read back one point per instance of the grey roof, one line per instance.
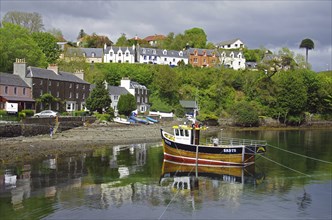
(18, 98)
(134, 84)
(117, 90)
(228, 42)
(88, 52)
(188, 104)
(12, 80)
(34, 72)
(162, 52)
(209, 52)
(116, 49)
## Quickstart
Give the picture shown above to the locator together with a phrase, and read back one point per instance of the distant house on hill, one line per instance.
(231, 44)
(189, 106)
(162, 57)
(92, 55)
(115, 92)
(233, 59)
(115, 54)
(203, 57)
(153, 40)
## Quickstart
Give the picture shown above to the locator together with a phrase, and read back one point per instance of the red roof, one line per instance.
(155, 37)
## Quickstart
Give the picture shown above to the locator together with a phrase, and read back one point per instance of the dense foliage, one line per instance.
(224, 93)
(126, 104)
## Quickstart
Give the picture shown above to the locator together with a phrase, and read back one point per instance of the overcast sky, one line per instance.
(272, 24)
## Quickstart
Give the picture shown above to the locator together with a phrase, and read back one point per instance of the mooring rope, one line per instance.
(301, 155)
(285, 166)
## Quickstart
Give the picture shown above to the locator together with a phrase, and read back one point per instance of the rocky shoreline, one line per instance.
(79, 139)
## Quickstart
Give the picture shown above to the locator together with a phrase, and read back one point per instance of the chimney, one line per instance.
(20, 68)
(79, 74)
(54, 68)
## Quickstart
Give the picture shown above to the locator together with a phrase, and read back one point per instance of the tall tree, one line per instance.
(48, 44)
(308, 44)
(81, 34)
(19, 44)
(57, 33)
(127, 104)
(32, 21)
(99, 98)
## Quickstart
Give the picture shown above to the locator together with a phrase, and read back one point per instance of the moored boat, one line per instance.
(121, 120)
(183, 146)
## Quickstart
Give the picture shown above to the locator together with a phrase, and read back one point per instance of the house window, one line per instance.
(41, 82)
(83, 96)
(195, 60)
(84, 54)
(57, 84)
(180, 53)
(77, 95)
(120, 54)
(165, 52)
(15, 90)
(173, 59)
(70, 94)
(93, 54)
(49, 83)
(144, 57)
(57, 106)
(23, 91)
(77, 86)
(116, 98)
(111, 53)
(70, 85)
(143, 51)
(127, 54)
(83, 86)
(57, 94)
(165, 59)
(41, 92)
(6, 90)
(153, 51)
(204, 60)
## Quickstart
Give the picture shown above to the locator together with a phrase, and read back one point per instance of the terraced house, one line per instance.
(70, 89)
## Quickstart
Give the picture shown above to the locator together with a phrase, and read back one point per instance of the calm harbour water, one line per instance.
(131, 182)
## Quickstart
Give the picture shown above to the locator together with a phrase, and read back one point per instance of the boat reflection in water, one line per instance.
(208, 183)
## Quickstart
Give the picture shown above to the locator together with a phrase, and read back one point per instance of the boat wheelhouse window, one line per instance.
(186, 133)
(181, 132)
(176, 132)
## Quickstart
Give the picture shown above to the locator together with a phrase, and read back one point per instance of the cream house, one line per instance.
(233, 59)
(231, 44)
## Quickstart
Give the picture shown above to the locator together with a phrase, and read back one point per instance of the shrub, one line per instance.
(21, 115)
(28, 112)
(103, 117)
(245, 114)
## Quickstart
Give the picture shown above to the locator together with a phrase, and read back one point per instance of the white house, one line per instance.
(139, 91)
(233, 59)
(162, 57)
(231, 44)
(114, 54)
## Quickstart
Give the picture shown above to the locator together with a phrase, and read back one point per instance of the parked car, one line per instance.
(46, 114)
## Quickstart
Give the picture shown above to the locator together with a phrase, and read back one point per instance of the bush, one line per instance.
(245, 114)
(28, 112)
(21, 115)
(3, 112)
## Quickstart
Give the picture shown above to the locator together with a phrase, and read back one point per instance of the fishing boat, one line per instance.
(183, 146)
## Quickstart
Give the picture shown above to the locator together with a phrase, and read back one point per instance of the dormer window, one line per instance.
(164, 52)
(93, 54)
(84, 54)
(153, 51)
(180, 53)
(143, 50)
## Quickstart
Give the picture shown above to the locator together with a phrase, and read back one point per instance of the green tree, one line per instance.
(99, 98)
(245, 114)
(126, 104)
(31, 21)
(48, 44)
(95, 41)
(122, 41)
(196, 37)
(18, 44)
(308, 44)
(57, 33)
(291, 93)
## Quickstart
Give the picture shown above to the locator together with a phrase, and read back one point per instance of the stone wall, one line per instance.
(36, 126)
